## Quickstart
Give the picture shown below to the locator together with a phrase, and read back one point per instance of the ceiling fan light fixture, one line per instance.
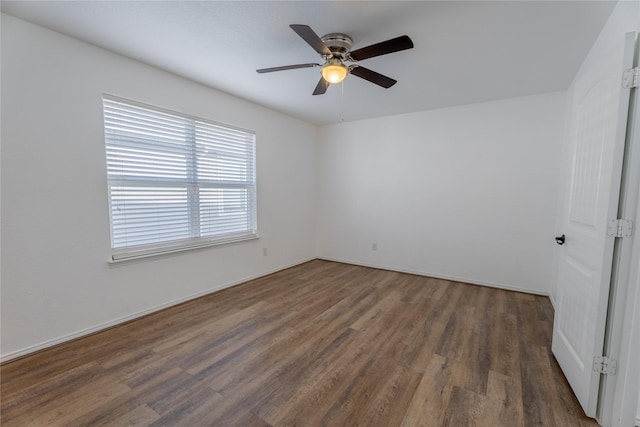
(334, 72)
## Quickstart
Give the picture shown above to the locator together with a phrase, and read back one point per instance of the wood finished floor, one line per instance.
(319, 344)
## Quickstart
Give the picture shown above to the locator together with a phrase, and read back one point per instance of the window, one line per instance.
(175, 181)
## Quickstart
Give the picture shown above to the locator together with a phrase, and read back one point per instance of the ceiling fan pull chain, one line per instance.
(342, 104)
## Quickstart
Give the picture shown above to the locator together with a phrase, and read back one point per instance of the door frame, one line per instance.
(618, 394)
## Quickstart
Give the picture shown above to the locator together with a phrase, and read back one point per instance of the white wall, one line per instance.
(56, 282)
(467, 193)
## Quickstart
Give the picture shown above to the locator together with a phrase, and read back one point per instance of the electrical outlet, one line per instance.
(264, 252)
(374, 246)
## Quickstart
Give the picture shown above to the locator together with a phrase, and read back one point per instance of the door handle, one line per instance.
(560, 240)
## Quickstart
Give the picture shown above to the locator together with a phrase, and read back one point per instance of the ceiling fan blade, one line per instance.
(311, 38)
(382, 48)
(373, 77)
(322, 87)
(286, 67)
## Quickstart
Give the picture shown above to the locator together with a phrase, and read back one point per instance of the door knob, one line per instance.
(560, 240)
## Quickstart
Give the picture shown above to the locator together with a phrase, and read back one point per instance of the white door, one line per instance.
(598, 117)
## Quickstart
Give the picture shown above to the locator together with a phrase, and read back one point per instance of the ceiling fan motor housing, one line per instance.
(339, 44)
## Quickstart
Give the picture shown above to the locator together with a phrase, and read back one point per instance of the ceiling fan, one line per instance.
(335, 49)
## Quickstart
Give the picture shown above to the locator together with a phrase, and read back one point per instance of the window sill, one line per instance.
(123, 257)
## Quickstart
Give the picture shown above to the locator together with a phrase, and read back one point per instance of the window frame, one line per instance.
(191, 184)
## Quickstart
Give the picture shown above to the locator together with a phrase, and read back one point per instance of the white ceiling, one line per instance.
(465, 52)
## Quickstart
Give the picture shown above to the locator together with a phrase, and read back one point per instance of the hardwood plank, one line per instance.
(199, 409)
(505, 349)
(122, 411)
(322, 343)
(31, 393)
(431, 398)
(504, 401)
(464, 409)
(72, 404)
(388, 406)
(537, 393)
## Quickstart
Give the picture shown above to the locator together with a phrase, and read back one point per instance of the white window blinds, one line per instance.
(176, 181)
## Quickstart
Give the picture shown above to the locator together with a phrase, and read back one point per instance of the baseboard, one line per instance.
(437, 276)
(106, 325)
